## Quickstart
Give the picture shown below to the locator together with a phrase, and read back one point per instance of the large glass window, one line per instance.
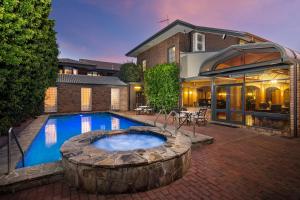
(198, 42)
(196, 93)
(68, 70)
(247, 58)
(171, 55)
(267, 99)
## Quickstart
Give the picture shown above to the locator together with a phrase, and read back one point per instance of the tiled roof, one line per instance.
(93, 80)
(71, 61)
(101, 64)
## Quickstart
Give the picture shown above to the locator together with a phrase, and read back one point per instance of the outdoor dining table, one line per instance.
(188, 115)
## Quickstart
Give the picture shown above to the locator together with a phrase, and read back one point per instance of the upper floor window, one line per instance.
(75, 71)
(144, 65)
(198, 42)
(92, 74)
(68, 70)
(171, 55)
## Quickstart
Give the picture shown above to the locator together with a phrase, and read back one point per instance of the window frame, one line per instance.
(195, 42)
(168, 55)
(144, 65)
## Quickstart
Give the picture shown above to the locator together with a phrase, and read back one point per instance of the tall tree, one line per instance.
(28, 58)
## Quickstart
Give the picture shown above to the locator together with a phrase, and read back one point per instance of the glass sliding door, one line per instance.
(229, 103)
(236, 103)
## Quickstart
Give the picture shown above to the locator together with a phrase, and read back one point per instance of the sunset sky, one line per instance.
(107, 29)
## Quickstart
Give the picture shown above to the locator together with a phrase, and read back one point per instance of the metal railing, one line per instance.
(167, 117)
(10, 134)
(159, 113)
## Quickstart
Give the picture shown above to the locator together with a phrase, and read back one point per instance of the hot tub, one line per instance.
(145, 158)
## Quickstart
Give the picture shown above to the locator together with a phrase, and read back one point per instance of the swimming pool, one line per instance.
(57, 129)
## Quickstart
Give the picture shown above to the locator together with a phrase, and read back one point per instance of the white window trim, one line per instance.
(174, 57)
(144, 64)
(195, 42)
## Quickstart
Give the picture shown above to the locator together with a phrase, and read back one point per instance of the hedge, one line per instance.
(162, 86)
(28, 59)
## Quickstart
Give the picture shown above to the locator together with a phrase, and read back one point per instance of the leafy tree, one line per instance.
(130, 72)
(28, 59)
(162, 86)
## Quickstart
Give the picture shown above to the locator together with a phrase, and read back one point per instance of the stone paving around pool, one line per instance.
(240, 164)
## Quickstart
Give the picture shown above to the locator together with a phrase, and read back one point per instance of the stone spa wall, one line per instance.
(99, 171)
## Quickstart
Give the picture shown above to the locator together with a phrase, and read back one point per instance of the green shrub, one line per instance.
(162, 86)
(28, 59)
(130, 72)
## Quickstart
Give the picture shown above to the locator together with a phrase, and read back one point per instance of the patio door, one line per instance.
(115, 98)
(229, 104)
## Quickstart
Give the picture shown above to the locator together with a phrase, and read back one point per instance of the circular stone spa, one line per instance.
(123, 161)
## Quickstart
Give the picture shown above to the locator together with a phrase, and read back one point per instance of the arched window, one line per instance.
(246, 58)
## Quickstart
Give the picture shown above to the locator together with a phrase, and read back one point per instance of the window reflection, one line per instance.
(115, 123)
(86, 124)
(50, 132)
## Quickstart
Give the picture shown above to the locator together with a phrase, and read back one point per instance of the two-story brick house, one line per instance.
(245, 79)
(86, 85)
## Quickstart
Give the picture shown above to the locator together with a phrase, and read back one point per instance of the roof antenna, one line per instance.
(165, 20)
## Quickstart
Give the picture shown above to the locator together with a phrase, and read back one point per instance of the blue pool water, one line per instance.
(57, 129)
(130, 141)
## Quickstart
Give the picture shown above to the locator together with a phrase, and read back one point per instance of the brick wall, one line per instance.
(69, 97)
(123, 98)
(215, 42)
(101, 98)
(182, 42)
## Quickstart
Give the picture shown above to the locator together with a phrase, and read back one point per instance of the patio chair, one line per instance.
(180, 116)
(149, 111)
(138, 110)
(200, 116)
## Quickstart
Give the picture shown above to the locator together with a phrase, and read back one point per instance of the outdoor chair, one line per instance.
(179, 115)
(200, 116)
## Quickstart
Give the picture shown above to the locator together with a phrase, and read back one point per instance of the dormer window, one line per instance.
(198, 42)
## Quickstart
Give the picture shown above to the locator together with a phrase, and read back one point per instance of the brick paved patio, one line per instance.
(238, 165)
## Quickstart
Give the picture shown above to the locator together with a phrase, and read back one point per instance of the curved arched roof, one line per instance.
(209, 66)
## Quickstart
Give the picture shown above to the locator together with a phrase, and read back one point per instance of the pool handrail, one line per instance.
(11, 132)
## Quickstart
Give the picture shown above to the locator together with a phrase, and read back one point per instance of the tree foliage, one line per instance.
(130, 72)
(162, 86)
(28, 58)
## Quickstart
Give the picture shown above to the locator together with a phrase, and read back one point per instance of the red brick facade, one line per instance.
(69, 97)
(158, 54)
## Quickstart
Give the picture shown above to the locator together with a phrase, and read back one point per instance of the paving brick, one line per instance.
(240, 164)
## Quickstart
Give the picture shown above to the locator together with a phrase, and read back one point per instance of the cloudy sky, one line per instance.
(107, 29)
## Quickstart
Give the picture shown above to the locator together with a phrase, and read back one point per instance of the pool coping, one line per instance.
(50, 172)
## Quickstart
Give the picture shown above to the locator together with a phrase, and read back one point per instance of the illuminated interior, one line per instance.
(246, 58)
(196, 93)
(86, 99)
(263, 96)
(50, 102)
(115, 98)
